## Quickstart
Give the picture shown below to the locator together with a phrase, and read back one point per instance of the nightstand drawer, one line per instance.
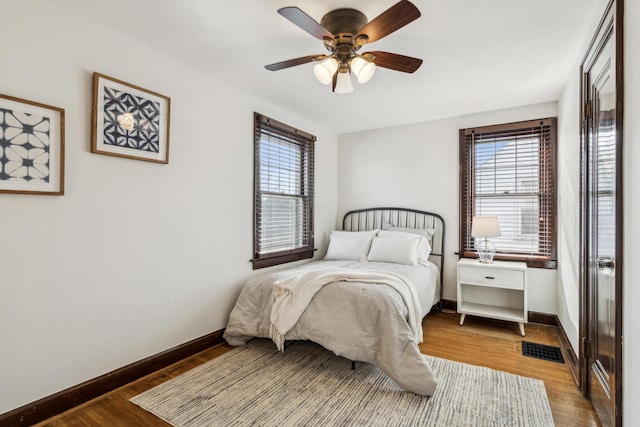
(487, 276)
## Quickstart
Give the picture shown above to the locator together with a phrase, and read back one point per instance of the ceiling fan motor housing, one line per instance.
(348, 21)
(344, 24)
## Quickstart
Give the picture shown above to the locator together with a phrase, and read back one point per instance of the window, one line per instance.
(509, 171)
(283, 191)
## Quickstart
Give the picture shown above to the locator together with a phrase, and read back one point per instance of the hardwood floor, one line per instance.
(498, 345)
(489, 343)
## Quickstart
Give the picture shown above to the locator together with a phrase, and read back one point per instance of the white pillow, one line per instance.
(400, 250)
(426, 232)
(348, 248)
(344, 233)
(424, 248)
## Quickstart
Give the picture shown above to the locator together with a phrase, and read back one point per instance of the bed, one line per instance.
(365, 301)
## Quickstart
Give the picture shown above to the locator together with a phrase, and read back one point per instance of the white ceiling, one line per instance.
(479, 55)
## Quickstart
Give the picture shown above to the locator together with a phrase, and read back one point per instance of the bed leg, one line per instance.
(353, 365)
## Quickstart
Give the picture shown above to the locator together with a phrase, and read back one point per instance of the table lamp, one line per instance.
(485, 227)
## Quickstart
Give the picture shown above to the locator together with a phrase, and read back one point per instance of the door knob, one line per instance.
(605, 262)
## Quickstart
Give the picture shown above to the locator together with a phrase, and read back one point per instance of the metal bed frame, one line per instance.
(374, 218)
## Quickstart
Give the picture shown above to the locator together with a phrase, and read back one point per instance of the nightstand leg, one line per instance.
(521, 328)
(462, 316)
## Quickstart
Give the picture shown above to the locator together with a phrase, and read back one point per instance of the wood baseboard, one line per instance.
(57, 403)
(543, 318)
(569, 354)
(448, 304)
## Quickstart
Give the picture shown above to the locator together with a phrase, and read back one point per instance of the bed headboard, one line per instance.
(372, 218)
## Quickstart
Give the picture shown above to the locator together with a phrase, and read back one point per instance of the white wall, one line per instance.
(416, 166)
(568, 212)
(631, 177)
(136, 257)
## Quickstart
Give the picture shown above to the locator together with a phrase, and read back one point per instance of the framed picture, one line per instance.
(31, 147)
(129, 121)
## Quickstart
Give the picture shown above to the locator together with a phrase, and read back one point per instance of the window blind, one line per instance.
(509, 171)
(283, 193)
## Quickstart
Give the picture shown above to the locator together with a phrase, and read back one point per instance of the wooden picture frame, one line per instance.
(129, 121)
(31, 147)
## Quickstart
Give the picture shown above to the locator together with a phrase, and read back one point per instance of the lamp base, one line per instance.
(486, 251)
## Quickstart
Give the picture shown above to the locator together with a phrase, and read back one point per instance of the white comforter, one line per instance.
(360, 321)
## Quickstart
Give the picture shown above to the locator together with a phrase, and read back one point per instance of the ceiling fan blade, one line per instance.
(392, 19)
(396, 62)
(290, 63)
(305, 22)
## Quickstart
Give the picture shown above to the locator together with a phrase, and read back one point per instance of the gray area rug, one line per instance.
(308, 385)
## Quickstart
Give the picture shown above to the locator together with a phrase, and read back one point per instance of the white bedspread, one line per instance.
(358, 320)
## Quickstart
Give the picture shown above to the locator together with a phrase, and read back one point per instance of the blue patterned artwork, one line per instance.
(31, 147)
(130, 121)
(25, 147)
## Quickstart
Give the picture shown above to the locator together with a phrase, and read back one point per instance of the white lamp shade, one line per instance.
(325, 70)
(343, 83)
(362, 69)
(485, 226)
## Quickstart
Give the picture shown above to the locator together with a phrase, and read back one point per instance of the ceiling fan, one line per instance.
(344, 32)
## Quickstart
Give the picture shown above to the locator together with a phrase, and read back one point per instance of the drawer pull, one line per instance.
(489, 277)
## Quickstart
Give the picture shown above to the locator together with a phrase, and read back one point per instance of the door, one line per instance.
(601, 213)
(602, 222)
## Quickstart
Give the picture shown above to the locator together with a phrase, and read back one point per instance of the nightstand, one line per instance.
(497, 290)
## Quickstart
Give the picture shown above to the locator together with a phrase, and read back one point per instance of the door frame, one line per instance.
(612, 21)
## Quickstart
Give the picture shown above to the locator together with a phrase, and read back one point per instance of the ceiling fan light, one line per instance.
(367, 72)
(356, 64)
(343, 83)
(325, 70)
(362, 69)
